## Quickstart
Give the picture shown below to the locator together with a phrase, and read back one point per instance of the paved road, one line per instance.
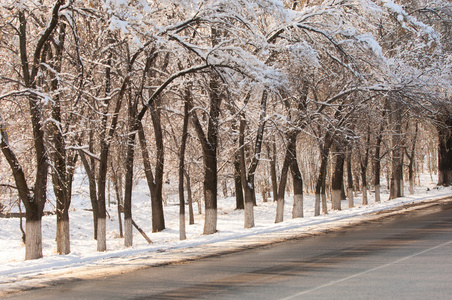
(403, 257)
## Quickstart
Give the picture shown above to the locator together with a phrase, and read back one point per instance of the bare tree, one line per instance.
(33, 197)
(248, 174)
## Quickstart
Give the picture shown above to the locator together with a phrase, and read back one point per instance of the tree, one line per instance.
(364, 162)
(209, 144)
(182, 171)
(339, 78)
(109, 109)
(337, 180)
(377, 154)
(63, 158)
(34, 197)
(412, 47)
(247, 174)
(350, 189)
(444, 153)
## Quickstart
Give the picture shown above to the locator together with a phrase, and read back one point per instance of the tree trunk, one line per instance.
(364, 184)
(210, 192)
(396, 179)
(33, 241)
(105, 137)
(364, 164)
(239, 199)
(62, 182)
(264, 190)
(247, 177)
(182, 234)
(119, 206)
(395, 119)
(63, 234)
(282, 188)
(103, 161)
(210, 182)
(249, 206)
(350, 179)
(134, 121)
(89, 169)
(209, 145)
(411, 156)
(396, 189)
(445, 153)
(101, 208)
(253, 185)
(246, 184)
(155, 185)
(63, 164)
(102, 234)
(273, 171)
(297, 211)
(129, 161)
(320, 185)
(128, 230)
(190, 199)
(411, 177)
(33, 244)
(324, 199)
(317, 202)
(377, 166)
(357, 183)
(61, 186)
(225, 187)
(318, 192)
(34, 210)
(158, 219)
(297, 181)
(337, 181)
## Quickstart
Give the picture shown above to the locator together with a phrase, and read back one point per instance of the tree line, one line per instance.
(213, 91)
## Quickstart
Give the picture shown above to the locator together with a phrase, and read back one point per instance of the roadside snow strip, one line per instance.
(16, 277)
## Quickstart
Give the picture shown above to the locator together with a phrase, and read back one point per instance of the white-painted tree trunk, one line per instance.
(279, 210)
(128, 232)
(351, 199)
(182, 234)
(210, 221)
(297, 211)
(63, 237)
(317, 205)
(33, 240)
(249, 214)
(336, 199)
(101, 234)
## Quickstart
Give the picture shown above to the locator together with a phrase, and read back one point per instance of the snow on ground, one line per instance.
(14, 269)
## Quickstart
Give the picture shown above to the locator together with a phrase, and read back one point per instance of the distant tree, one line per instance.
(337, 180)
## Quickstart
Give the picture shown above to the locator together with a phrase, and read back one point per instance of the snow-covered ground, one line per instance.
(14, 271)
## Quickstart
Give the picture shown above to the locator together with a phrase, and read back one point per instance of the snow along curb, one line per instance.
(115, 265)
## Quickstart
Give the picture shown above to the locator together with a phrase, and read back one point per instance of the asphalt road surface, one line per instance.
(402, 257)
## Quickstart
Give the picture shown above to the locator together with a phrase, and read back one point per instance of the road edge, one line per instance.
(190, 254)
